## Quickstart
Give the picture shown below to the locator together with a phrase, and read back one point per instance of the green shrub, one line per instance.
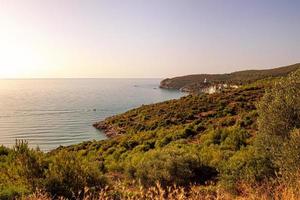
(288, 158)
(10, 192)
(21, 170)
(69, 174)
(232, 138)
(4, 151)
(172, 166)
(30, 164)
(245, 165)
(279, 111)
(279, 115)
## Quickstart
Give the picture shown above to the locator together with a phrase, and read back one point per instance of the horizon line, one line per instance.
(49, 78)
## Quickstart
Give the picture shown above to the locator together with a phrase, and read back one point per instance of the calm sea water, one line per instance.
(50, 113)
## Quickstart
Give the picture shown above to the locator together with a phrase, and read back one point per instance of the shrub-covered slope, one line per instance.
(249, 135)
(215, 109)
(178, 141)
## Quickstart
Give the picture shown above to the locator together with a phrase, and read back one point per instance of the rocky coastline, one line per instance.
(108, 129)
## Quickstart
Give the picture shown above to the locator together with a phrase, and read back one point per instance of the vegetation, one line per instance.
(195, 82)
(233, 144)
(262, 192)
(279, 124)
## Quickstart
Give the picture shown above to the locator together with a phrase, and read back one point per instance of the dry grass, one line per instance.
(246, 192)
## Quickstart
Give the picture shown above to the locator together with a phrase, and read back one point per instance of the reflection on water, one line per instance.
(54, 112)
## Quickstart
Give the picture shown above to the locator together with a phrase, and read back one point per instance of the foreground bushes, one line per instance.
(247, 165)
(279, 124)
(69, 174)
(21, 170)
(24, 170)
(172, 165)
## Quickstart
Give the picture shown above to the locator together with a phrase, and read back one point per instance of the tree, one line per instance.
(279, 116)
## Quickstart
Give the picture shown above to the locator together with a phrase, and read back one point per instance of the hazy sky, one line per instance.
(145, 38)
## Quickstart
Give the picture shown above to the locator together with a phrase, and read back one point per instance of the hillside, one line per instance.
(202, 145)
(194, 83)
(192, 109)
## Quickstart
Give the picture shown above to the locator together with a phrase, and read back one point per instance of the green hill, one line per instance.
(195, 82)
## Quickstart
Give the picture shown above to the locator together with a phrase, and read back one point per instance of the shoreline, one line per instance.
(108, 130)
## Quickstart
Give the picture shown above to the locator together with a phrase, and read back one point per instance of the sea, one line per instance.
(48, 113)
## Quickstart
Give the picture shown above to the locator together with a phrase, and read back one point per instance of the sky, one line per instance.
(145, 38)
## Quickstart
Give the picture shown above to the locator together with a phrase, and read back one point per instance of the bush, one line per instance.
(10, 192)
(4, 151)
(231, 138)
(21, 170)
(69, 174)
(288, 160)
(245, 165)
(172, 165)
(29, 163)
(279, 109)
(279, 115)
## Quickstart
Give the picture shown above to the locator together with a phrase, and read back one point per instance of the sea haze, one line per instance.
(53, 112)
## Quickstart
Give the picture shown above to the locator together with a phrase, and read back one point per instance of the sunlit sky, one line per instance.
(145, 38)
